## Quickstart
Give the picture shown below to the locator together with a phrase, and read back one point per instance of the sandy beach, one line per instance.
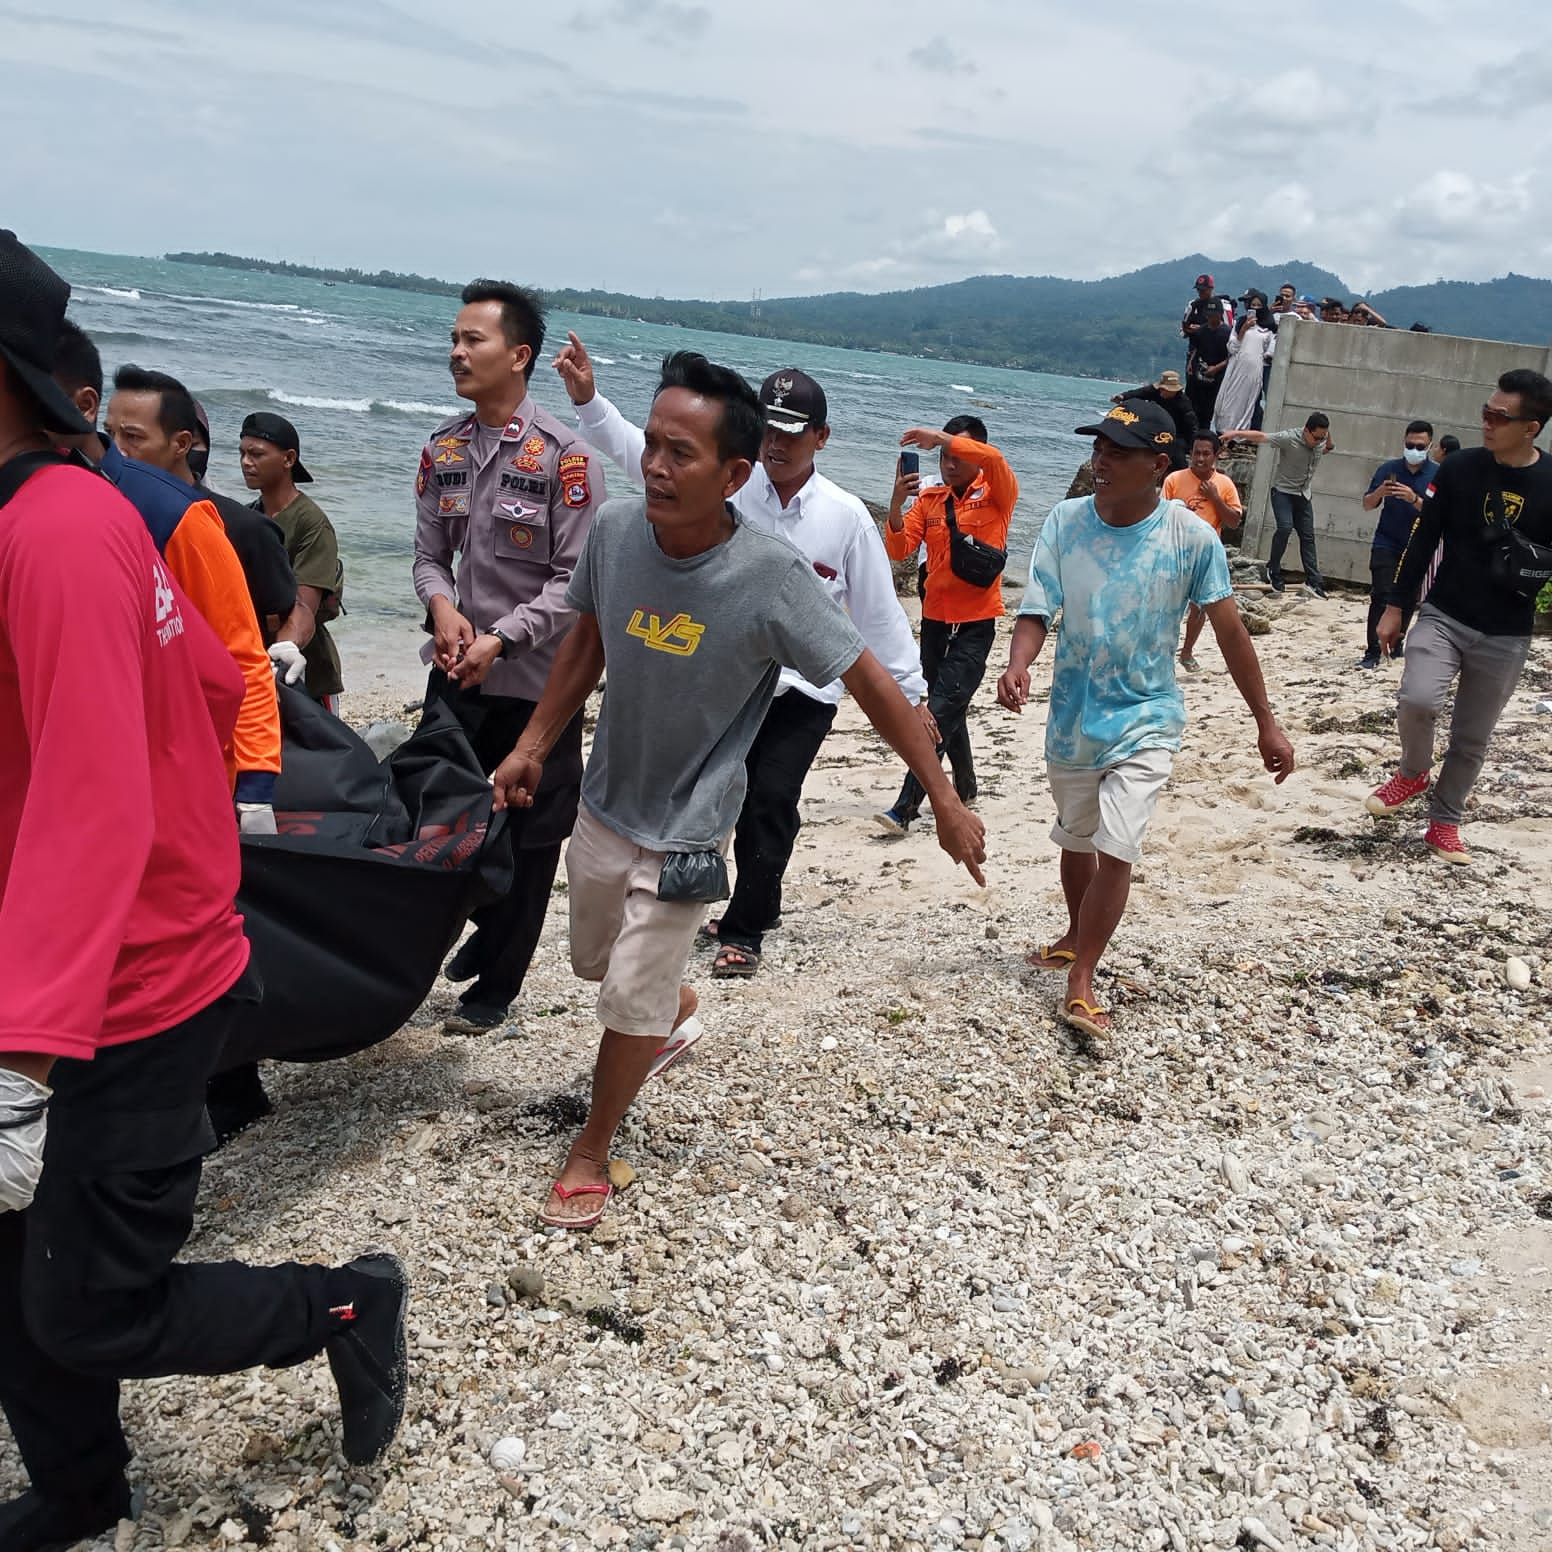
(904, 1264)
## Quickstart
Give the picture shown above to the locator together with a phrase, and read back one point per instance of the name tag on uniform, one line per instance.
(525, 484)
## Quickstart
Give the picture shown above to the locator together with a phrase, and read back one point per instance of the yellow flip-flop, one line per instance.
(1047, 958)
(1081, 1015)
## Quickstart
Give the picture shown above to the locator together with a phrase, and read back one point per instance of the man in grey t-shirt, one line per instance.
(1298, 452)
(694, 614)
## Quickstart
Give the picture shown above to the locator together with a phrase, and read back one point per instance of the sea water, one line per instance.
(362, 374)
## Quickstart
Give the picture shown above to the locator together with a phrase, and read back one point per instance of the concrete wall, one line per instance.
(1371, 382)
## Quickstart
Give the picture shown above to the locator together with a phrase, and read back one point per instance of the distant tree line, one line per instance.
(1118, 328)
(385, 279)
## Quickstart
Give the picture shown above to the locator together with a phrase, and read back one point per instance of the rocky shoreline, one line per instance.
(901, 1264)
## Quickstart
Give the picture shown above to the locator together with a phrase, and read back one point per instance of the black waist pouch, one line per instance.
(693, 875)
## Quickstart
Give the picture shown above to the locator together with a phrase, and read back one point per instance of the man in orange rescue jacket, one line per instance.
(959, 618)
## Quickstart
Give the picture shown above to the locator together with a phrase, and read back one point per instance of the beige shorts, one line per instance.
(622, 934)
(1108, 810)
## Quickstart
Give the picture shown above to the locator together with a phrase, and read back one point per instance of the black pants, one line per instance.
(768, 823)
(1382, 572)
(89, 1291)
(953, 663)
(1294, 514)
(507, 931)
(1204, 399)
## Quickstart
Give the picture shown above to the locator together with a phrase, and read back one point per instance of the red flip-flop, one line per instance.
(678, 1043)
(565, 1193)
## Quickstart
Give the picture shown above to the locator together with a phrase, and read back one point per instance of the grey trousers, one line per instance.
(1438, 649)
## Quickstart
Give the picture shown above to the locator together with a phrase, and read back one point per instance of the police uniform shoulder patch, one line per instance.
(424, 473)
(575, 491)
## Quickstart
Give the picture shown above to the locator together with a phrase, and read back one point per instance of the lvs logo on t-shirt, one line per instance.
(679, 637)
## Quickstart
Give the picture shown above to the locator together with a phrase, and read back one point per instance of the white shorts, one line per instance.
(1108, 810)
(622, 934)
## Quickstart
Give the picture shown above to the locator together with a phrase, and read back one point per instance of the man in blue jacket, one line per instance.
(1397, 489)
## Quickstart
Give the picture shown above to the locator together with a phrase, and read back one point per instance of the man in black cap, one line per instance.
(785, 495)
(271, 457)
(1195, 318)
(122, 965)
(1121, 567)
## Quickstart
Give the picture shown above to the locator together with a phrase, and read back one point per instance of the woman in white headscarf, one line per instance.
(1250, 345)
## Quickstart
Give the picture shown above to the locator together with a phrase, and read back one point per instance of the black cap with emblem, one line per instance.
(32, 307)
(792, 401)
(1135, 423)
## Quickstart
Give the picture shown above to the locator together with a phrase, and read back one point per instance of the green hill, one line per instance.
(1124, 327)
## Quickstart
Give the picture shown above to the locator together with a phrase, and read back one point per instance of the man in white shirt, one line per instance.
(832, 529)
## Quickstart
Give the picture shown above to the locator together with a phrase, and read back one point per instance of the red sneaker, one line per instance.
(1443, 840)
(1396, 792)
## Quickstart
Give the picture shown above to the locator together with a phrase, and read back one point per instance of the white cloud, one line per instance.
(687, 149)
(1452, 205)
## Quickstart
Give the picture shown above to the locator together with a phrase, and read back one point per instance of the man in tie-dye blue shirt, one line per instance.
(1121, 567)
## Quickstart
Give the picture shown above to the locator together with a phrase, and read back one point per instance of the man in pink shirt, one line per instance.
(122, 964)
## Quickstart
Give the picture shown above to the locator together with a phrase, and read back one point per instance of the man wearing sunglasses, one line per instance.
(1492, 507)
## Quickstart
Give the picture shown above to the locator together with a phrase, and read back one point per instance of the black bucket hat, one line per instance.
(32, 307)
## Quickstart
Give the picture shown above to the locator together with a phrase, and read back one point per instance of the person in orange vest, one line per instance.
(959, 617)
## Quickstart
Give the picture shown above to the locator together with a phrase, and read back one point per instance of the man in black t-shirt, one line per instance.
(1473, 624)
(1205, 365)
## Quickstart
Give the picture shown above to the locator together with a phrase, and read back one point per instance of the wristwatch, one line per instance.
(507, 643)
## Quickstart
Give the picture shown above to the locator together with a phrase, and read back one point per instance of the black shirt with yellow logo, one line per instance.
(1471, 493)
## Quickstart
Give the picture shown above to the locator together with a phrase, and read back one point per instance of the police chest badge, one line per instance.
(453, 506)
(534, 447)
(573, 480)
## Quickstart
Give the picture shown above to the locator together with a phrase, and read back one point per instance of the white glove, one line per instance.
(256, 819)
(23, 1126)
(289, 663)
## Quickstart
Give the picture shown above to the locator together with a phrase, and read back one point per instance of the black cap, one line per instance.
(32, 307)
(1136, 423)
(793, 401)
(1253, 295)
(280, 431)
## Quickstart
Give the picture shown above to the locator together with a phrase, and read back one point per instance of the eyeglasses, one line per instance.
(1497, 417)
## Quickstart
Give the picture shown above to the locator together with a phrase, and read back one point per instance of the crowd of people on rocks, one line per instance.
(1229, 353)
(728, 609)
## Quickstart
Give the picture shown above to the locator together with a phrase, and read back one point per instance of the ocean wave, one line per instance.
(414, 407)
(312, 401)
(125, 293)
(635, 355)
(232, 301)
(308, 401)
(605, 360)
(962, 387)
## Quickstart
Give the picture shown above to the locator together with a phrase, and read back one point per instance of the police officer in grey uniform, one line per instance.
(503, 500)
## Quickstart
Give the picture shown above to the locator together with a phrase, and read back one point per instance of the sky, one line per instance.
(681, 148)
